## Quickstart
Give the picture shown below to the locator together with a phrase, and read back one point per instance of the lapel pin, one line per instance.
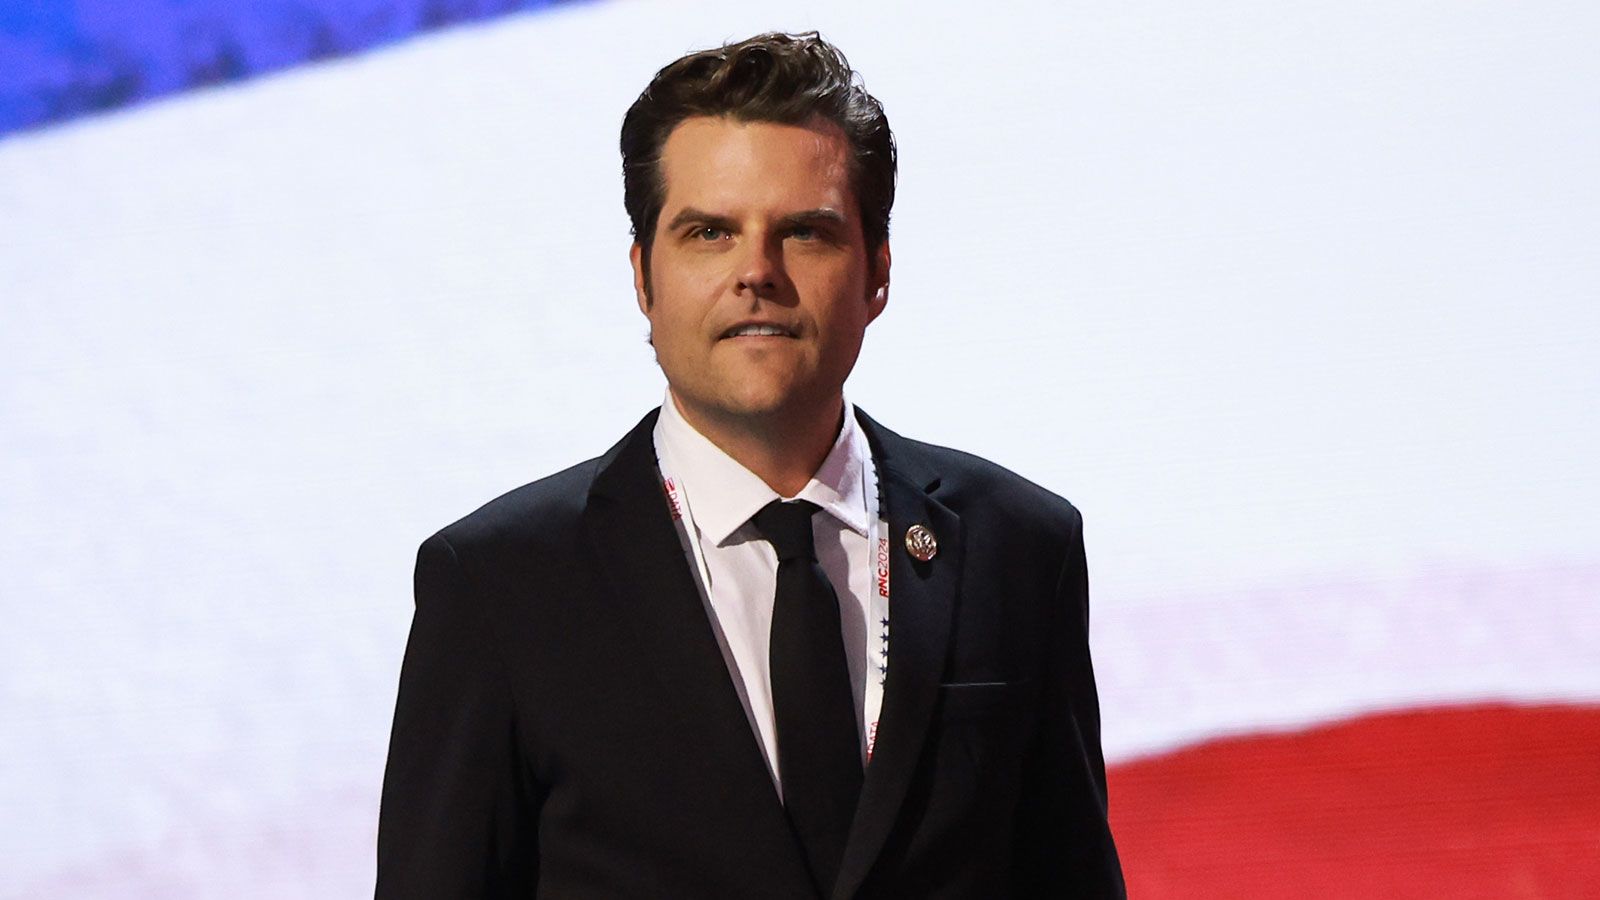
(921, 543)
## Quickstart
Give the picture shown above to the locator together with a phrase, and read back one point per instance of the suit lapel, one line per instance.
(921, 607)
(630, 528)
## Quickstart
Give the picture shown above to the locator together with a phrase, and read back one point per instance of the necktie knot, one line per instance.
(788, 527)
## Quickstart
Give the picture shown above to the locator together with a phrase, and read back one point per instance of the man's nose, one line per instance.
(760, 269)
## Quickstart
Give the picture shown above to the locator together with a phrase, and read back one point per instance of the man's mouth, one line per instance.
(758, 329)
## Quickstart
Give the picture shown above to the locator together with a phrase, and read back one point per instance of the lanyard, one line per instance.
(877, 648)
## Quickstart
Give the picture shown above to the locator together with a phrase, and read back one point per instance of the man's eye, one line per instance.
(710, 233)
(803, 232)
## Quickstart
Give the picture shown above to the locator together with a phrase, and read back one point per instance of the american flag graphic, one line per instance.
(1297, 302)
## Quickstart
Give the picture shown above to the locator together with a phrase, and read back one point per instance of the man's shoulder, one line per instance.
(542, 510)
(548, 513)
(971, 484)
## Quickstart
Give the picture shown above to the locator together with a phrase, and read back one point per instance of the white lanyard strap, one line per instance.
(877, 663)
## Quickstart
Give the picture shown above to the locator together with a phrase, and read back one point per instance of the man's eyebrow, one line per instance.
(820, 216)
(690, 215)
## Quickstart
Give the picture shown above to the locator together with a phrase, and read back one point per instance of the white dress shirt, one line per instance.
(713, 498)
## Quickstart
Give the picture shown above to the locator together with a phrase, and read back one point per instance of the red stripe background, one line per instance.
(1487, 801)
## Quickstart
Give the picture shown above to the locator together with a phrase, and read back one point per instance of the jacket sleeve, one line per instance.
(1063, 840)
(458, 816)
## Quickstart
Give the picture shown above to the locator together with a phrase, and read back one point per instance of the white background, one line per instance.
(1298, 302)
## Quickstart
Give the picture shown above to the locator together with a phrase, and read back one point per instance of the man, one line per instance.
(764, 647)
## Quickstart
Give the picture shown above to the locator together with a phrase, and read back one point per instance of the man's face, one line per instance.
(760, 284)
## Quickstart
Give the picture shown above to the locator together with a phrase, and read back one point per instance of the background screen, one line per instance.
(1298, 302)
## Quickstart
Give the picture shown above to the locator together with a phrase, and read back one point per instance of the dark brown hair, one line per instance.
(786, 78)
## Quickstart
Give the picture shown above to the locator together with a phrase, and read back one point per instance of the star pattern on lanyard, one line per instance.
(883, 651)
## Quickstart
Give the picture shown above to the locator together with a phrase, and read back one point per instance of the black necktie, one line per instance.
(819, 747)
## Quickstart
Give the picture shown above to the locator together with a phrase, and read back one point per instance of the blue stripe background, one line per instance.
(60, 59)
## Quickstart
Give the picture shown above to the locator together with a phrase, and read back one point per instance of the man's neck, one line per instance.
(784, 451)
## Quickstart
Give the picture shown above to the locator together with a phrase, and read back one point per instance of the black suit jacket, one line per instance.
(567, 727)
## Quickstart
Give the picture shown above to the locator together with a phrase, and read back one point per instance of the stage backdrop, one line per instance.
(1299, 302)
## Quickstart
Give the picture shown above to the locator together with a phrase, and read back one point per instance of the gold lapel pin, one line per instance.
(921, 543)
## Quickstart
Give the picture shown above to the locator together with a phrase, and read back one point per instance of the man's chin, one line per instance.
(754, 404)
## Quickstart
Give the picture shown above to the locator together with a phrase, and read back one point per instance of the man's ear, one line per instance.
(878, 281)
(641, 281)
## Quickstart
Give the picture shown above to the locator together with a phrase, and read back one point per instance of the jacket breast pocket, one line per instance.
(979, 699)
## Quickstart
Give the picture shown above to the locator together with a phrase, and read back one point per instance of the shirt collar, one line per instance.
(723, 494)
